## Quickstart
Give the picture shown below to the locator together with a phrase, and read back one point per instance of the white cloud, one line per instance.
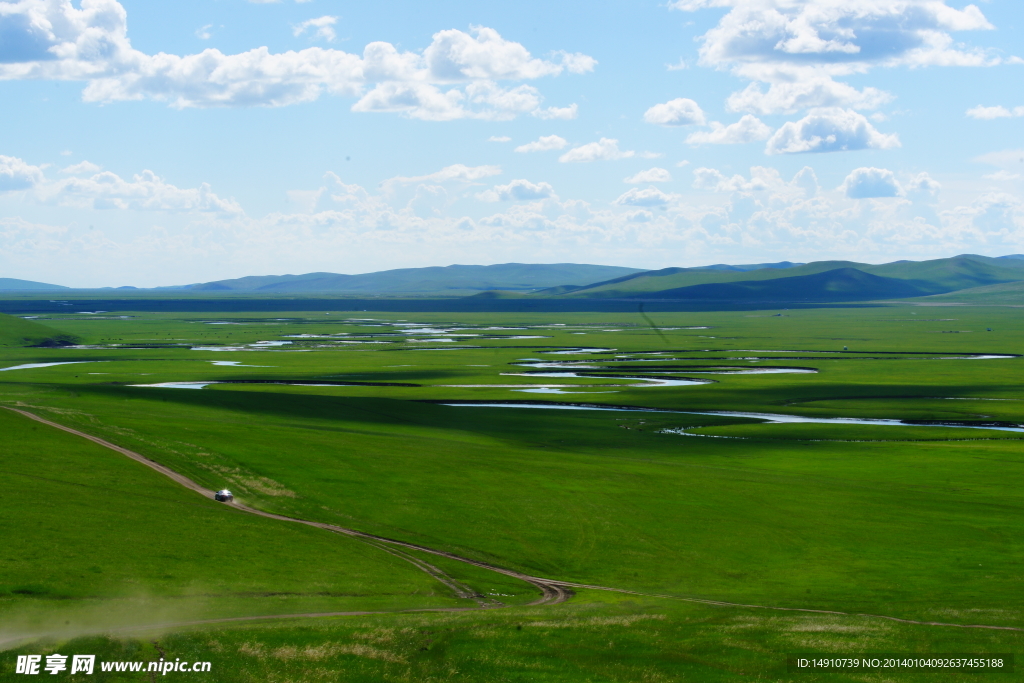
(998, 112)
(430, 103)
(518, 190)
(829, 129)
(799, 47)
(559, 113)
(678, 66)
(747, 129)
(651, 175)
(499, 138)
(761, 179)
(766, 37)
(678, 112)
(684, 162)
(603, 150)
(459, 173)
(577, 62)
(868, 183)
(923, 186)
(454, 77)
(543, 144)
(807, 93)
(321, 27)
(346, 227)
(456, 56)
(417, 100)
(204, 32)
(807, 180)
(81, 168)
(1002, 176)
(15, 174)
(144, 192)
(651, 196)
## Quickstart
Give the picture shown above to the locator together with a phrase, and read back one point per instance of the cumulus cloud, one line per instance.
(576, 62)
(15, 174)
(790, 97)
(651, 175)
(923, 186)
(558, 113)
(605, 149)
(998, 112)
(807, 180)
(543, 144)
(1002, 176)
(747, 129)
(321, 27)
(762, 217)
(678, 112)
(144, 192)
(85, 167)
(456, 76)
(829, 129)
(869, 183)
(761, 179)
(650, 197)
(799, 47)
(518, 190)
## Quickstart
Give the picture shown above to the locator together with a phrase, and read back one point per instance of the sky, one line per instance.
(153, 144)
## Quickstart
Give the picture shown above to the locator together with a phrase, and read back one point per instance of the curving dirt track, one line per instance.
(553, 591)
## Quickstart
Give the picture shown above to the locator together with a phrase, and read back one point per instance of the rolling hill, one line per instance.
(1003, 294)
(16, 331)
(446, 280)
(839, 284)
(923, 277)
(675, 278)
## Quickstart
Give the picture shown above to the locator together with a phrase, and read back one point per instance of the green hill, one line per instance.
(675, 278)
(951, 274)
(20, 332)
(840, 284)
(447, 280)
(1004, 294)
(924, 277)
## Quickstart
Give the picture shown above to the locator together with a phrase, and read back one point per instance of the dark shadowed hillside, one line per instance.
(840, 284)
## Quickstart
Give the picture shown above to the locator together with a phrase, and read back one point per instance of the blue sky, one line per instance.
(165, 143)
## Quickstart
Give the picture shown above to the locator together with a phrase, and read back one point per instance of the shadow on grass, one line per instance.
(571, 430)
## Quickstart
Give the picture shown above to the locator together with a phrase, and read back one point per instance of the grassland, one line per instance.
(920, 523)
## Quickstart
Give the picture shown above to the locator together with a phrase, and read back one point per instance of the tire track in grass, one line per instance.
(553, 591)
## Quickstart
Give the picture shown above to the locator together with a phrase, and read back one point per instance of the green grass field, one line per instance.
(920, 523)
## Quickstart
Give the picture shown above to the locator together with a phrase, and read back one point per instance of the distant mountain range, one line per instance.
(436, 280)
(455, 280)
(818, 281)
(9, 284)
(968, 275)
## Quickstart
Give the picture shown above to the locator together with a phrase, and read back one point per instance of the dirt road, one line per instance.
(553, 591)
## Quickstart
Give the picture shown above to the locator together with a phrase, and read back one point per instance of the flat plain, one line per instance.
(632, 454)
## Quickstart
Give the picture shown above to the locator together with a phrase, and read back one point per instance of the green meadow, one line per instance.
(668, 508)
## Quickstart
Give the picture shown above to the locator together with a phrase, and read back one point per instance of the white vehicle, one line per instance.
(224, 496)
